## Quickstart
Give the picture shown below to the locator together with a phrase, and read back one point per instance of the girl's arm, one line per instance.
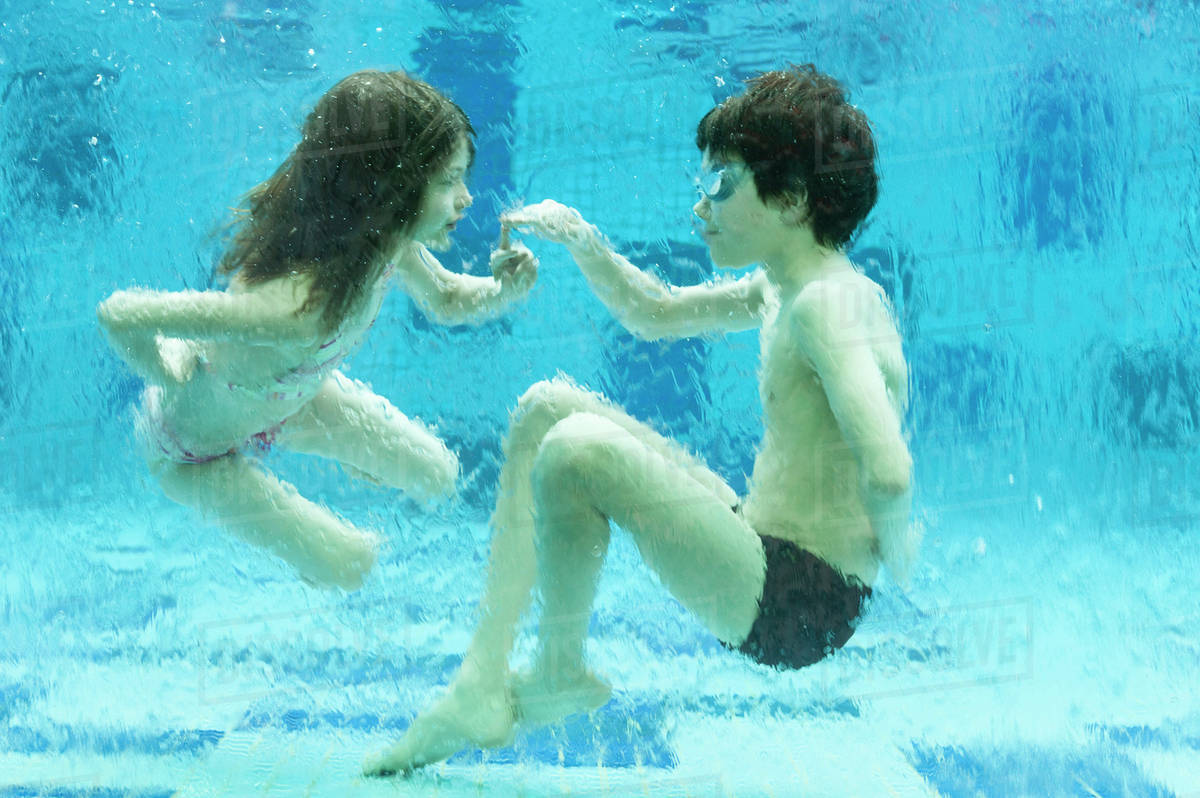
(454, 298)
(134, 320)
(645, 305)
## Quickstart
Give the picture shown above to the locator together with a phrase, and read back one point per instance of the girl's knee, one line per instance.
(421, 466)
(446, 470)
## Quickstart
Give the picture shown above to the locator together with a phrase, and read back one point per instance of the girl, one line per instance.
(377, 179)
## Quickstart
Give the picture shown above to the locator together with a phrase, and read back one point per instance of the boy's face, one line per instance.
(739, 228)
(445, 199)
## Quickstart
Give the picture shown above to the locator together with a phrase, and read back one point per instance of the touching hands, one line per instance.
(513, 265)
(554, 222)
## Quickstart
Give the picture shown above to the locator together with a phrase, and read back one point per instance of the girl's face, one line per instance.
(445, 199)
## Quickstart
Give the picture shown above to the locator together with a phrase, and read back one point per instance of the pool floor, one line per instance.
(150, 662)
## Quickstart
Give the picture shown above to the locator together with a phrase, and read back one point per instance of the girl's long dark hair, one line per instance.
(343, 200)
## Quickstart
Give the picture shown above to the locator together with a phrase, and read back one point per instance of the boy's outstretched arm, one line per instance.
(455, 298)
(832, 328)
(643, 304)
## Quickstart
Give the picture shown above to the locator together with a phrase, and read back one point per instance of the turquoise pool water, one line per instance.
(1037, 229)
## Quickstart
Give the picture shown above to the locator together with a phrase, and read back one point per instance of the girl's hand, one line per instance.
(554, 222)
(514, 266)
(178, 358)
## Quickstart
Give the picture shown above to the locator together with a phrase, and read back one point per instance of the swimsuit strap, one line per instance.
(297, 381)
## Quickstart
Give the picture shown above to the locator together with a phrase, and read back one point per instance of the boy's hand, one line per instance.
(514, 265)
(553, 222)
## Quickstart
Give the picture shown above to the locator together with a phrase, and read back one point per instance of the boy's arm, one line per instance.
(839, 346)
(454, 298)
(643, 304)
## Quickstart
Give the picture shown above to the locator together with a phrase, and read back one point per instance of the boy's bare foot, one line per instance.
(541, 698)
(470, 714)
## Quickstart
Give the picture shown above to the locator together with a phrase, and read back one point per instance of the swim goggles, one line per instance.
(718, 184)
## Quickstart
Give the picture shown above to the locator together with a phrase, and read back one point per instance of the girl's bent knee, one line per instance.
(434, 479)
(446, 475)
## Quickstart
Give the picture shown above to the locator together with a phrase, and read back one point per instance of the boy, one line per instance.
(781, 575)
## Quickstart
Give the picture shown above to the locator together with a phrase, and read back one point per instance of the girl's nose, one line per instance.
(464, 200)
(702, 208)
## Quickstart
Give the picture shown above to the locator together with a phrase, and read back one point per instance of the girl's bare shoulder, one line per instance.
(283, 298)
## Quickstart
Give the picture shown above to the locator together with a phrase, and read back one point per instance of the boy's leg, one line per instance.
(512, 567)
(589, 471)
(476, 709)
(348, 422)
(267, 512)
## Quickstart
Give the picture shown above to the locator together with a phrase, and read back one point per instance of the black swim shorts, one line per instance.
(807, 610)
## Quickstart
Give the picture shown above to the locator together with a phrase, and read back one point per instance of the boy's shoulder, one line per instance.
(845, 299)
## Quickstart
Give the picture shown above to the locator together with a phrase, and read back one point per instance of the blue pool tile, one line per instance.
(1042, 771)
(34, 791)
(627, 732)
(1169, 736)
(55, 738)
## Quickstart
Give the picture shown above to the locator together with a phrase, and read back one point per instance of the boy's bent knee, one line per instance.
(579, 449)
(544, 405)
(557, 396)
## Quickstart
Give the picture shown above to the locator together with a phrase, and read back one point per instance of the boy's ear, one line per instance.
(794, 208)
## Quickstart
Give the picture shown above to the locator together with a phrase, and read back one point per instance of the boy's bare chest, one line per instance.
(788, 384)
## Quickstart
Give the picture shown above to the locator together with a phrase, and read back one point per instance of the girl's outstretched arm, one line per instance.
(268, 315)
(136, 321)
(645, 305)
(454, 298)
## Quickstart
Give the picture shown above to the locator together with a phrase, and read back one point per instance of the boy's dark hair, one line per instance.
(351, 189)
(799, 136)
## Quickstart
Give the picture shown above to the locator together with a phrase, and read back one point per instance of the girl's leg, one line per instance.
(589, 471)
(269, 513)
(476, 709)
(349, 423)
